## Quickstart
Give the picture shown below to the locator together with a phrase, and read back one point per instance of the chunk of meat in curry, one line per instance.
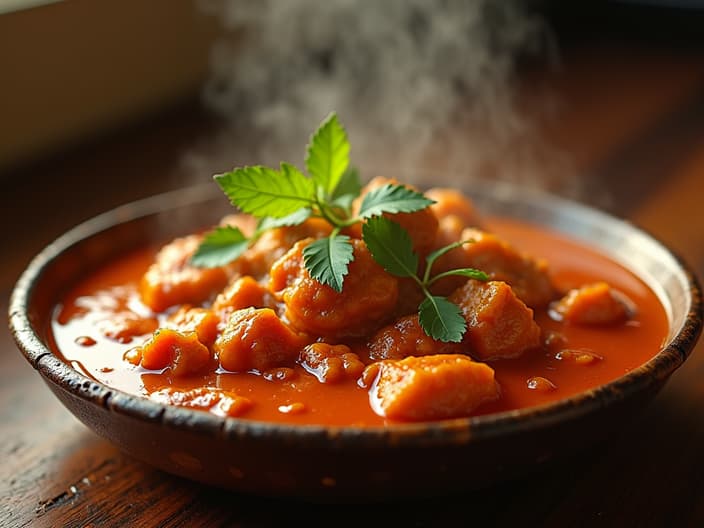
(264, 313)
(364, 304)
(527, 276)
(172, 280)
(430, 387)
(593, 304)
(499, 324)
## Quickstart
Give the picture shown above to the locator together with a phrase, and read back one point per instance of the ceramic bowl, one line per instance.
(347, 463)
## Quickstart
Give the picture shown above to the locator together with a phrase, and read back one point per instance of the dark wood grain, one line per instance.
(55, 472)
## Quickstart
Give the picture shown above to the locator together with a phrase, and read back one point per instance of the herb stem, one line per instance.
(439, 276)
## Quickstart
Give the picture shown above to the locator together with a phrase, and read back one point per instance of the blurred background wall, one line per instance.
(74, 69)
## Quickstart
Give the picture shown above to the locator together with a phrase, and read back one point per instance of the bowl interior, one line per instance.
(172, 214)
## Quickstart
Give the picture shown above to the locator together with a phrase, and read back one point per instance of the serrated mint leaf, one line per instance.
(262, 191)
(328, 154)
(391, 246)
(441, 319)
(219, 247)
(327, 260)
(392, 198)
(295, 218)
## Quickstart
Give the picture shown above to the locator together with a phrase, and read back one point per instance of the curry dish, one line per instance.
(260, 339)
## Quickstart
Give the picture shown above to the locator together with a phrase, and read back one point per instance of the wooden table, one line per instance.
(637, 137)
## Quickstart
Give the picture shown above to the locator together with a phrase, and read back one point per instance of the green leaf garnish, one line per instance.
(392, 198)
(391, 246)
(219, 247)
(262, 191)
(467, 272)
(295, 218)
(328, 154)
(287, 197)
(470, 273)
(441, 319)
(327, 260)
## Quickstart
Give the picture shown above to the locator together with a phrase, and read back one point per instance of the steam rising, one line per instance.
(425, 89)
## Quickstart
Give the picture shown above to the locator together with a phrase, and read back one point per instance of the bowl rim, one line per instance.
(648, 376)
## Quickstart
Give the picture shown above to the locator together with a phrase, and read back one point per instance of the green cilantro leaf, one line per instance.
(220, 246)
(441, 319)
(286, 197)
(295, 218)
(391, 246)
(392, 198)
(328, 154)
(262, 191)
(327, 260)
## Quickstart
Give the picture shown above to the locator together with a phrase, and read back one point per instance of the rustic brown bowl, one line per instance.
(346, 463)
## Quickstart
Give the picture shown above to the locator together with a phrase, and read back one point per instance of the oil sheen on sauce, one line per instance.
(597, 354)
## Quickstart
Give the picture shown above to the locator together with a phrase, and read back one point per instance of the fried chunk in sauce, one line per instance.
(528, 277)
(217, 401)
(257, 339)
(331, 363)
(405, 337)
(452, 203)
(172, 280)
(593, 304)
(182, 352)
(499, 324)
(421, 225)
(430, 387)
(274, 243)
(244, 222)
(199, 320)
(365, 303)
(245, 292)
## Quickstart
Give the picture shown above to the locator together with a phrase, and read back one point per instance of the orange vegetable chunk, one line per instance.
(244, 222)
(593, 304)
(199, 320)
(331, 363)
(274, 243)
(421, 225)
(171, 280)
(217, 401)
(452, 203)
(256, 339)
(245, 292)
(499, 324)
(365, 303)
(181, 352)
(405, 337)
(527, 276)
(431, 387)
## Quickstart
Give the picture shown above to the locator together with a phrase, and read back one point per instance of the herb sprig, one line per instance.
(391, 246)
(288, 197)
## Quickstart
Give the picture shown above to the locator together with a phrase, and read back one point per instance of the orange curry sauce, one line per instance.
(535, 378)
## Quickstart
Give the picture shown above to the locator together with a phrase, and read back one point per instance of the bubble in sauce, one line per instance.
(85, 341)
(538, 383)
